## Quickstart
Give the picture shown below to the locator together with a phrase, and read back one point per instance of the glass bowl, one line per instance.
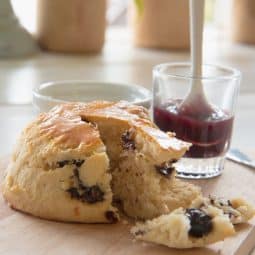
(50, 94)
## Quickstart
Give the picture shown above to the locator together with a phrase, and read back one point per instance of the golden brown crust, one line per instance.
(67, 120)
(67, 127)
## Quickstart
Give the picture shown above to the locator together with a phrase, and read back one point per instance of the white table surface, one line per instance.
(119, 61)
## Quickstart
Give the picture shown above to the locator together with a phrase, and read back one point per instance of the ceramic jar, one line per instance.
(161, 24)
(71, 25)
(243, 21)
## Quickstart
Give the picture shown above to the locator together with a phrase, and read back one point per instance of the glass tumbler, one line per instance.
(205, 121)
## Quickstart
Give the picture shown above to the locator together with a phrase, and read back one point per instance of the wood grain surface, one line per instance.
(24, 234)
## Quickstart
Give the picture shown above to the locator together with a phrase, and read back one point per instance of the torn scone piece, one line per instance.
(186, 228)
(147, 186)
(237, 209)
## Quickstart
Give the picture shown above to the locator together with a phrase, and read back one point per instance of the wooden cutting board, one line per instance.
(24, 234)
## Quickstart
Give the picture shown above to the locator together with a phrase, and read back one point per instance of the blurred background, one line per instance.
(217, 13)
(130, 44)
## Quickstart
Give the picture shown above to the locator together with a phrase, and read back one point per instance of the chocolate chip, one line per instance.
(200, 222)
(111, 216)
(76, 173)
(230, 215)
(74, 193)
(165, 169)
(139, 233)
(223, 202)
(92, 194)
(77, 177)
(62, 163)
(85, 193)
(229, 203)
(128, 142)
(81, 185)
(78, 162)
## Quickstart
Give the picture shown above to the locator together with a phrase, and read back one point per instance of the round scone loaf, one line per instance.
(71, 163)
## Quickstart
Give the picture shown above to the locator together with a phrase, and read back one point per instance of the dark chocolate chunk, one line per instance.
(74, 193)
(76, 173)
(62, 163)
(223, 202)
(111, 216)
(78, 162)
(85, 193)
(200, 222)
(92, 194)
(128, 142)
(139, 233)
(165, 169)
(77, 176)
(230, 215)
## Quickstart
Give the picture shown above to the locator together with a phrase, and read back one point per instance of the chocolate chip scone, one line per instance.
(71, 162)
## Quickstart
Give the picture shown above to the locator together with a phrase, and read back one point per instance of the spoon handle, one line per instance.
(196, 29)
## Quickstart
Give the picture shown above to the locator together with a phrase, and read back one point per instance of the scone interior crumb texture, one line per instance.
(72, 162)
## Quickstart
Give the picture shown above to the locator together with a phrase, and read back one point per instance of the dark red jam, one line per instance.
(210, 134)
